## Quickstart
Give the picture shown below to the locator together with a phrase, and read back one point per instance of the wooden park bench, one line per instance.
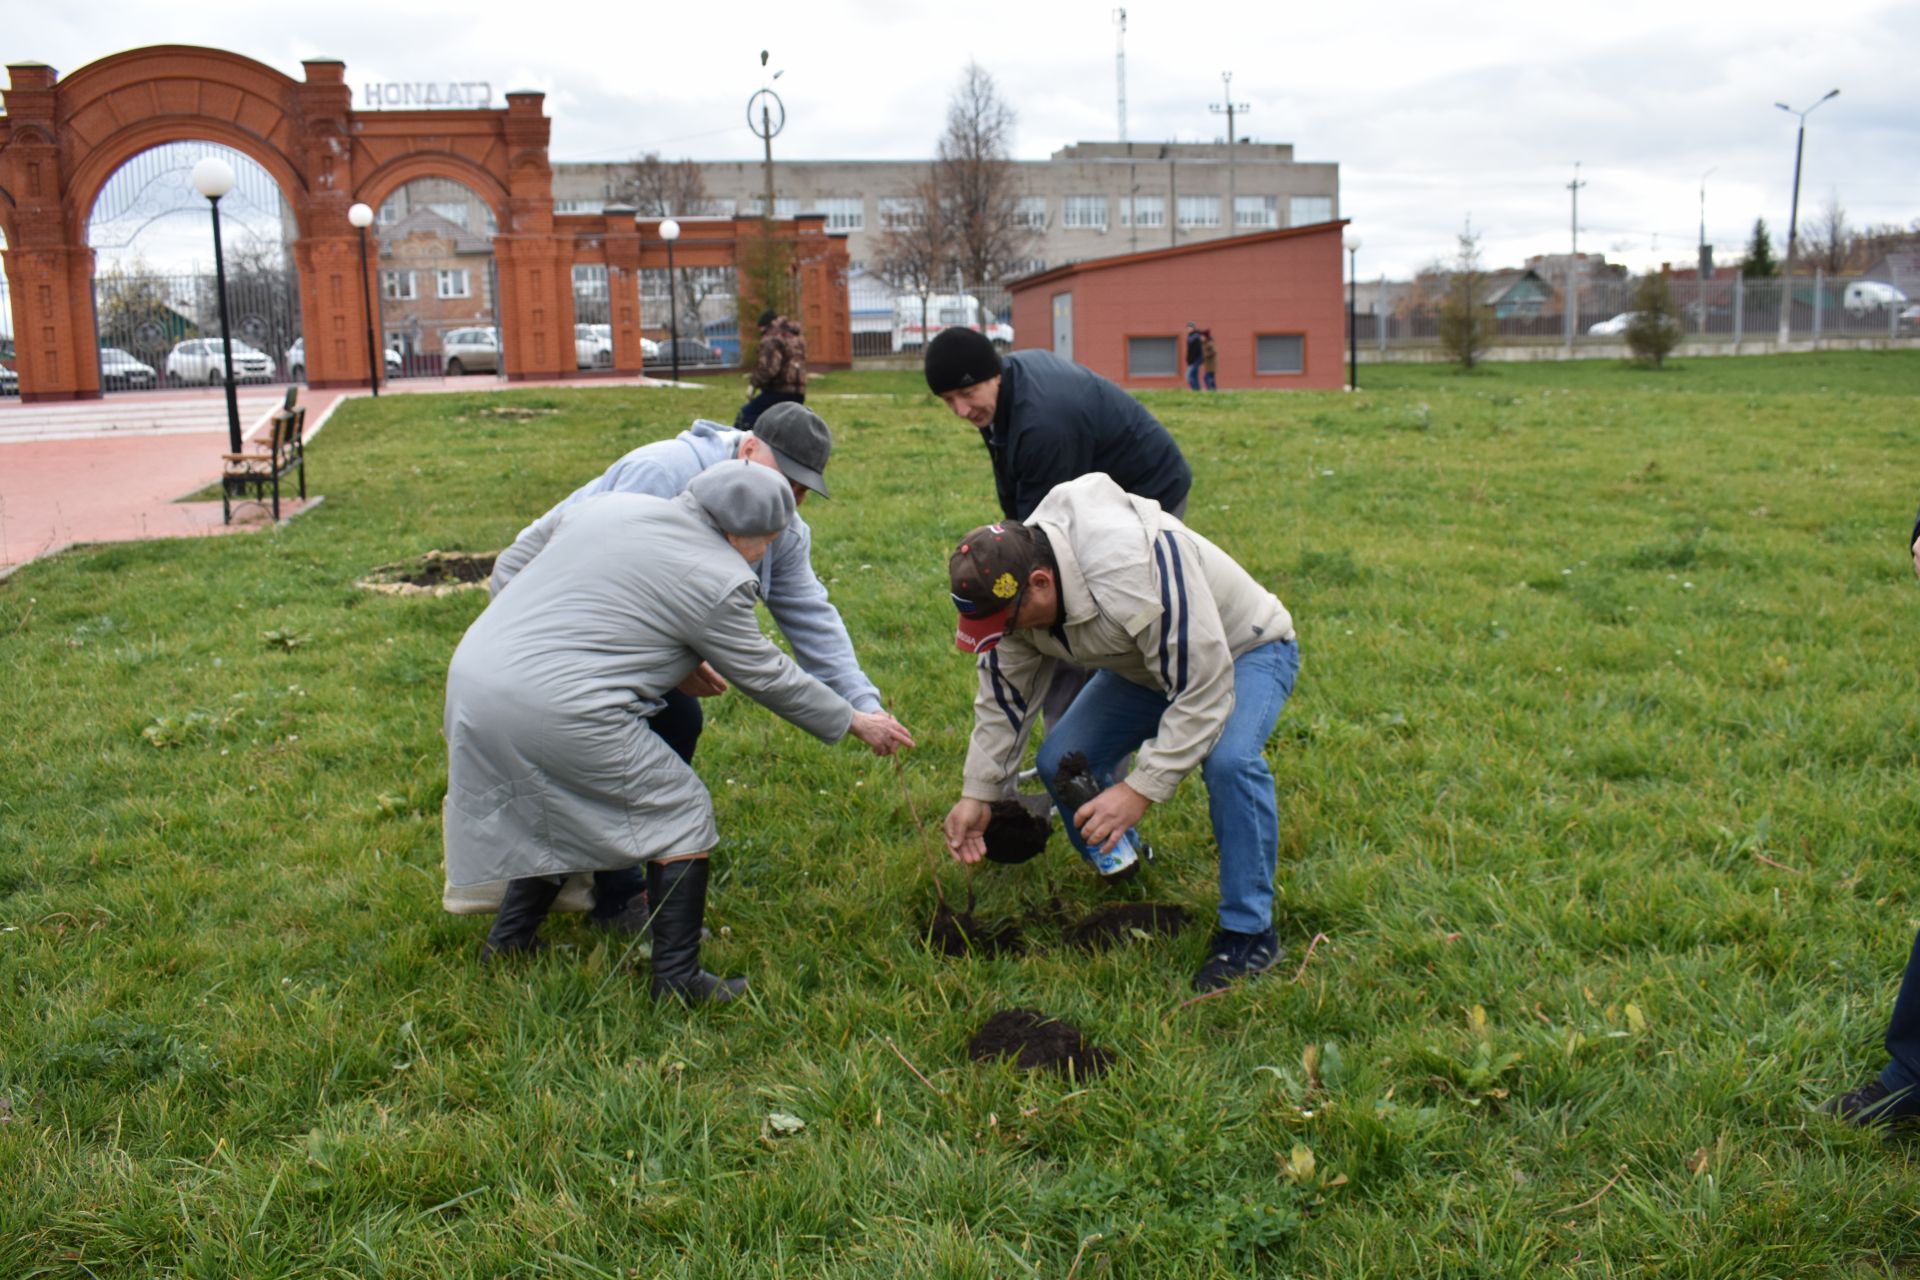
(256, 473)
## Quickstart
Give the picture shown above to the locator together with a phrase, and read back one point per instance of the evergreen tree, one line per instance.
(1654, 331)
(1760, 264)
(1466, 321)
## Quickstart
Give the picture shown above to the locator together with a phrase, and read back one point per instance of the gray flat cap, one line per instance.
(800, 441)
(743, 498)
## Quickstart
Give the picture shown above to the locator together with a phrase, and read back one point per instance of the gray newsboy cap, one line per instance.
(800, 441)
(743, 498)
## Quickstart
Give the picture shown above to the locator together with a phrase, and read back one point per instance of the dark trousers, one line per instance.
(750, 411)
(1903, 1030)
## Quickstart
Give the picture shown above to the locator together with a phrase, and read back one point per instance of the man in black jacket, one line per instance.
(1046, 421)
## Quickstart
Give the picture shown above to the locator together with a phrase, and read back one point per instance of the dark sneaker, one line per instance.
(1874, 1105)
(1234, 956)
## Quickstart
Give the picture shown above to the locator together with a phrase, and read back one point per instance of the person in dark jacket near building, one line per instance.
(1196, 354)
(1893, 1096)
(781, 372)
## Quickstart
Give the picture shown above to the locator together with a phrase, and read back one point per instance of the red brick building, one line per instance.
(1272, 300)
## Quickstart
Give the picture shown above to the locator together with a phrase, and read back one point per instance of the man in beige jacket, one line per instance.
(1194, 660)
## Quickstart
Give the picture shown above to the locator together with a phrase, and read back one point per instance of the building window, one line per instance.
(783, 207)
(902, 213)
(579, 206)
(1305, 210)
(1085, 212)
(454, 211)
(590, 281)
(389, 213)
(1153, 357)
(1143, 211)
(1280, 353)
(397, 286)
(1031, 212)
(1199, 211)
(717, 207)
(1256, 211)
(455, 282)
(844, 213)
(1027, 267)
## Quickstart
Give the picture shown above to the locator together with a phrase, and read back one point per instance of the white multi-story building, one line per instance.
(1088, 200)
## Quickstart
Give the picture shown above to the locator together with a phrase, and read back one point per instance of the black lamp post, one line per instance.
(1793, 218)
(670, 231)
(213, 178)
(361, 216)
(1353, 322)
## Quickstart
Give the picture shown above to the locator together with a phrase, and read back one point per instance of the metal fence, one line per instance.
(889, 321)
(1732, 310)
(706, 317)
(147, 326)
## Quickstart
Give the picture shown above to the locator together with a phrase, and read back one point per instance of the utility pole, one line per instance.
(1573, 262)
(1228, 110)
(1706, 260)
(1120, 65)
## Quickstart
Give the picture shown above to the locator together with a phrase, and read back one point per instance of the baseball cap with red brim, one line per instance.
(986, 575)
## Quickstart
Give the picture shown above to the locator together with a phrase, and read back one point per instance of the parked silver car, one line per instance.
(470, 351)
(201, 360)
(118, 370)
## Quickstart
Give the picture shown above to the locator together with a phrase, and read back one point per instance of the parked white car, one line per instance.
(1611, 328)
(202, 360)
(1863, 296)
(470, 350)
(297, 361)
(593, 348)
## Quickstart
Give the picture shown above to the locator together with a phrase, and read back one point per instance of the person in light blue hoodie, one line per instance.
(794, 440)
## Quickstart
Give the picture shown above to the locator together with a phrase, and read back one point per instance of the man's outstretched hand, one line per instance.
(880, 731)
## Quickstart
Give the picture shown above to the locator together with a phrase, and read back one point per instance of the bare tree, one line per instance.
(659, 188)
(1828, 236)
(915, 254)
(978, 187)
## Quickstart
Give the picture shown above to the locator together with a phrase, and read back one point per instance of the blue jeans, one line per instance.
(1113, 716)
(1193, 374)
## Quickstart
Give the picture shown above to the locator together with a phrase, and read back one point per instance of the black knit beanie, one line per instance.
(958, 358)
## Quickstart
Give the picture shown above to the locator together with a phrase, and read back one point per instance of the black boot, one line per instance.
(620, 901)
(524, 906)
(677, 892)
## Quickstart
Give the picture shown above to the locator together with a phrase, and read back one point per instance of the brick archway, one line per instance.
(60, 141)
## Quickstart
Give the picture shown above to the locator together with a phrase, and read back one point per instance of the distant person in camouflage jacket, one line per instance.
(780, 374)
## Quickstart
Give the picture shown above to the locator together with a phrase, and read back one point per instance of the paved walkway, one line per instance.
(113, 470)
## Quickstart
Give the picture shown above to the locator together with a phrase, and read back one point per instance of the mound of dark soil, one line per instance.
(957, 933)
(1014, 834)
(435, 573)
(1038, 1043)
(1123, 921)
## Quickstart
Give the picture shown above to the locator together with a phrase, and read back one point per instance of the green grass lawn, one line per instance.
(1599, 783)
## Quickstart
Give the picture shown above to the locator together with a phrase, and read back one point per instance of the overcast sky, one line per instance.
(1433, 116)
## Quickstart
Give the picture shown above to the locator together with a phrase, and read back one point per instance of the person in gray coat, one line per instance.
(551, 766)
(795, 441)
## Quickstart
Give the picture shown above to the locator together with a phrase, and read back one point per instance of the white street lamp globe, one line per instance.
(1353, 246)
(213, 177)
(669, 230)
(361, 215)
